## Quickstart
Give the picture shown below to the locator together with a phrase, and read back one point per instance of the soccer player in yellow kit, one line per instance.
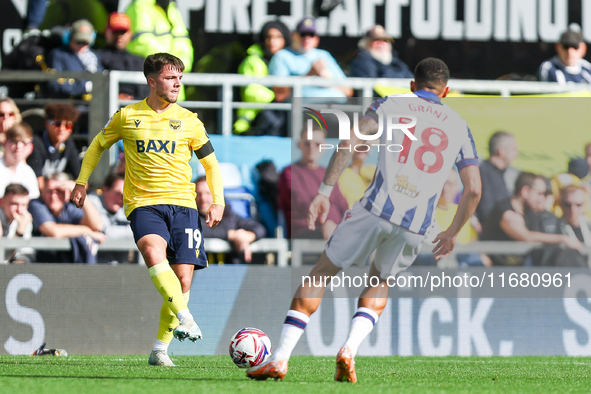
(159, 138)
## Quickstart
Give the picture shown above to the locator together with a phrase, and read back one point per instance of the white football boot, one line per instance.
(160, 358)
(187, 328)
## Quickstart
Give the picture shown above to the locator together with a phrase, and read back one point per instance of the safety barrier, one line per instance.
(266, 245)
(299, 247)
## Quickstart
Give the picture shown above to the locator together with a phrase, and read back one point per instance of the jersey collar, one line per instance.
(428, 96)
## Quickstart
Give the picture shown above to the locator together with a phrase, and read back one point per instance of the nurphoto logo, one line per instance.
(404, 123)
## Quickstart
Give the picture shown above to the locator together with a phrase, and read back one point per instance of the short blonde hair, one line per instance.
(17, 112)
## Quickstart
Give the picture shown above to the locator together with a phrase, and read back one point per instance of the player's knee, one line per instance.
(325, 267)
(185, 282)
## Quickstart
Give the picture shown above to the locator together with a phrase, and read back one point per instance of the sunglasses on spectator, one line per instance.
(6, 114)
(571, 204)
(307, 34)
(82, 43)
(59, 123)
(567, 47)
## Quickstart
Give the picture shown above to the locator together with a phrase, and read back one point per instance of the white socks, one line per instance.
(293, 328)
(361, 325)
(159, 345)
(185, 312)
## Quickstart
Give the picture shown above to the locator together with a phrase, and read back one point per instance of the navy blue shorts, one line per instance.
(179, 226)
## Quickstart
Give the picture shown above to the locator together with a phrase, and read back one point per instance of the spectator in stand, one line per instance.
(578, 169)
(495, 171)
(55, 216)
(114, 56)
(158, 26)
(13, 166)
(376, 57)
(54, 151)
(574, 224)
(548, 221)
(568, 65)
(75, 55)
(514, 219)
(109, 205)
(273, 37)
(240, 232)
(298, 185)
(305, 59)
(16, 221)
(356, 178)
(9, 116)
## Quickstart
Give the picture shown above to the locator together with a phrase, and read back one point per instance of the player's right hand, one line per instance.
(444, 244)
(78, 195)
(319, 206)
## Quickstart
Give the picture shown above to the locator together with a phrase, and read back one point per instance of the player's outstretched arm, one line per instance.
(445, 241)
(91, 158)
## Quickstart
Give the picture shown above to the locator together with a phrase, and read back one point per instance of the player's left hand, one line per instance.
(214, 215)
(444, 244)
(319, 206)
(78, 195)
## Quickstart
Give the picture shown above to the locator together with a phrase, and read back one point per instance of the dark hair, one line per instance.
(112, 178)
(155, 63)
(61, 111)
(524, 179)
(19, 132)
(202, 178)
(431, 73)
(16, 189)
(277, 24)
(496, 141)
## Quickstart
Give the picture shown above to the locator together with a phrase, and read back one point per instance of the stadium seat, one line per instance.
(34, 117)
(237, 195)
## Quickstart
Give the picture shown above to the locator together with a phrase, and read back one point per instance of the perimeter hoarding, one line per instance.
(114, 310)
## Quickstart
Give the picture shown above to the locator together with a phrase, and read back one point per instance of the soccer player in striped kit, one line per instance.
(395, 214)
(160, 137)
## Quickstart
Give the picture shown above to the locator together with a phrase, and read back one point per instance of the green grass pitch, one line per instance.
(307, 374)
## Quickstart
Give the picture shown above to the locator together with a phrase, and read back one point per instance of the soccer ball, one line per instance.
(250, 347)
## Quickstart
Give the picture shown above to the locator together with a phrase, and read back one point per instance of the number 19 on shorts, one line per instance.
(194, 236)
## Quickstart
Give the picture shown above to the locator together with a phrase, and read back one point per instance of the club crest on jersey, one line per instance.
(137, 122)
(402, 186)
(174, 124)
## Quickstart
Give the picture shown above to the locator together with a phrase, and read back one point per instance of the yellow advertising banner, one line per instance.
(550, 129)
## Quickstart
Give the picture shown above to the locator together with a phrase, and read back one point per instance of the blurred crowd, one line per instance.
(40, 162)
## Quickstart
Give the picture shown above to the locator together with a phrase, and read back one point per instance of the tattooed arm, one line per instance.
(320, 205)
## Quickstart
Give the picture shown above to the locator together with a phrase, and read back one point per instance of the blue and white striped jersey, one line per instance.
(554, 70)
(407, 184)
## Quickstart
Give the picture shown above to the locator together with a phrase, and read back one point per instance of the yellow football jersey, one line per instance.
(158, 147)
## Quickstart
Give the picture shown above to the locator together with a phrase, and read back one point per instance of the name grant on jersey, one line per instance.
(427, 109)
